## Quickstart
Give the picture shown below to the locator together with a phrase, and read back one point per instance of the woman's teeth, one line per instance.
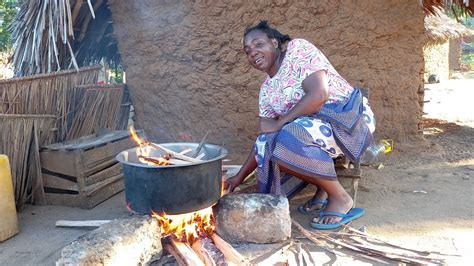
(258, 60)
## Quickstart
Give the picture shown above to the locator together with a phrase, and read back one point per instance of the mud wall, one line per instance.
(437, 61)
(187, 72)
(454, 54)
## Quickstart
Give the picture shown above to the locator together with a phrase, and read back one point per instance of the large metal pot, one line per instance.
(173, 189)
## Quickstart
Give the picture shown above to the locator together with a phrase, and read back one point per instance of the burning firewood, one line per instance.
(229, 252)
(178, 155)
(155, 160)
(182, 252)
(208, 252)
(174, 154)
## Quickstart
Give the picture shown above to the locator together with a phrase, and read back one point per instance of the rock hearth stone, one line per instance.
(254, 218)
(121, 242)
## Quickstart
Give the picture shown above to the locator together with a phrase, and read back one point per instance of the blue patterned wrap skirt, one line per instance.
(309, 144)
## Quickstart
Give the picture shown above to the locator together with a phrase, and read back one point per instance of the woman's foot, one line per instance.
(341, 203)
(317, 203)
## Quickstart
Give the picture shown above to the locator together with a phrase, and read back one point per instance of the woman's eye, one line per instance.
(259, 44)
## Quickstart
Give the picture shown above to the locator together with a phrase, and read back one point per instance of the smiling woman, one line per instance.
(309, 115)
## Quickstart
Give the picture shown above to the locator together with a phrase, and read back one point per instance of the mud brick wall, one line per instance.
(187, 72)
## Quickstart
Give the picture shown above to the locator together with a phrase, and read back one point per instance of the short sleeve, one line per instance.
(306, 58)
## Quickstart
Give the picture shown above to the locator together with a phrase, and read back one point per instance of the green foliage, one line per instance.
(8, 9)
(468, 60)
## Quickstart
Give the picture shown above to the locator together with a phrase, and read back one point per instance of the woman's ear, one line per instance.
(275, 42)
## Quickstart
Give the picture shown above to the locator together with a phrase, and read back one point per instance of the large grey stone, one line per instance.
(255, 218)
(121, 242)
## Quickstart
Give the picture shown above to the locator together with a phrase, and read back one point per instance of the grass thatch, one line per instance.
(95, 108)
(53, 35)
(20, 138)
(440, 28)
(46, 94)
(464, 7)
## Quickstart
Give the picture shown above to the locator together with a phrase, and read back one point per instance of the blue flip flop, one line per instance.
(311, 203)
(351, 215)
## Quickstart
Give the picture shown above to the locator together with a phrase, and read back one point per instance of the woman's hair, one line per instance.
(270, 32)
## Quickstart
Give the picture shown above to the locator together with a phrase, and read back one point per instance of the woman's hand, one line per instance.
(268, 125)
(231, 183)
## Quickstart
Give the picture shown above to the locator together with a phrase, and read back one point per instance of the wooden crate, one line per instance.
(84, 173)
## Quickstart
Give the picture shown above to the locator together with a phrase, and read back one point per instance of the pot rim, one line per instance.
(223, 153)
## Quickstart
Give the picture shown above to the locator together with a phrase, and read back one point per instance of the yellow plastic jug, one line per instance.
(8, 220)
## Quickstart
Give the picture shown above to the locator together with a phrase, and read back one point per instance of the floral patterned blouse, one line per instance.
(278, 94)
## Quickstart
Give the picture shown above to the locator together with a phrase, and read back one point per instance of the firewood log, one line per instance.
(182, 252)
(208, 252)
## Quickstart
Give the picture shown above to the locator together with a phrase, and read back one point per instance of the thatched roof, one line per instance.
(49, 36)
(465, 8)
(55, 35)
(440, 28)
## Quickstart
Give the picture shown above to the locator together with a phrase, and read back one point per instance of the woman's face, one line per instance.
(261, 52)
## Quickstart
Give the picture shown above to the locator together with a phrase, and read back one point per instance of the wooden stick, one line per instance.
(372, 238)
(201, 144)
(174, 154)
(156, 160)
(208, 252)
(182, 252)
(313, 239)
(85, 223)
(229, 252)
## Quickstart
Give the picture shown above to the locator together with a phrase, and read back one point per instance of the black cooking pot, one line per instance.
(173, 189)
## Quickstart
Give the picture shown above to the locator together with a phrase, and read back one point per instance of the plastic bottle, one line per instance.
(375, 151)
(8, 222)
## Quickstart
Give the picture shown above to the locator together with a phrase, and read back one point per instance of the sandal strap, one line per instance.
(337, 214)
(316, 201)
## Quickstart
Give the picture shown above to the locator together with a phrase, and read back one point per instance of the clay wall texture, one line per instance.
(188, 74)
(455, 54)
(437, 59)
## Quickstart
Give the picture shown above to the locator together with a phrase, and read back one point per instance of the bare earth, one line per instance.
(422, 197)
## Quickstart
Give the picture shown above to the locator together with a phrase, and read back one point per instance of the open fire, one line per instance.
(187, 227)
(189, 233)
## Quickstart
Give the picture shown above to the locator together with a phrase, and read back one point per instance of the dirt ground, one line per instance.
(421, 197)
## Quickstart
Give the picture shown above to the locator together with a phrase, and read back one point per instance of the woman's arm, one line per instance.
(247, 168)
(315, 87)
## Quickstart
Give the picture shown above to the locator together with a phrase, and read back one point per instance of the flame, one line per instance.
(144, 150)
(188, 226)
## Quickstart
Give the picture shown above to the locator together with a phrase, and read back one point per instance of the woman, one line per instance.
(305, 108)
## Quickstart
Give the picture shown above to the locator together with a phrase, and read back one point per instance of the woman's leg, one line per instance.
(338, 199)
(316, 202)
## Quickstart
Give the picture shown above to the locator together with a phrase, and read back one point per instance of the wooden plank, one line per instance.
(104, 194)
(62, 162)
(348, 173)
(90, 158)
(98, 166)
(89, 190)
(104, 174)
(85, 223)
(53, 181)
(82, 201)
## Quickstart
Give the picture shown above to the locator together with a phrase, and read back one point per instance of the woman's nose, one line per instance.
(253, 53)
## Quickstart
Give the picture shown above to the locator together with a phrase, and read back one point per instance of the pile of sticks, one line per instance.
(368, 247)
